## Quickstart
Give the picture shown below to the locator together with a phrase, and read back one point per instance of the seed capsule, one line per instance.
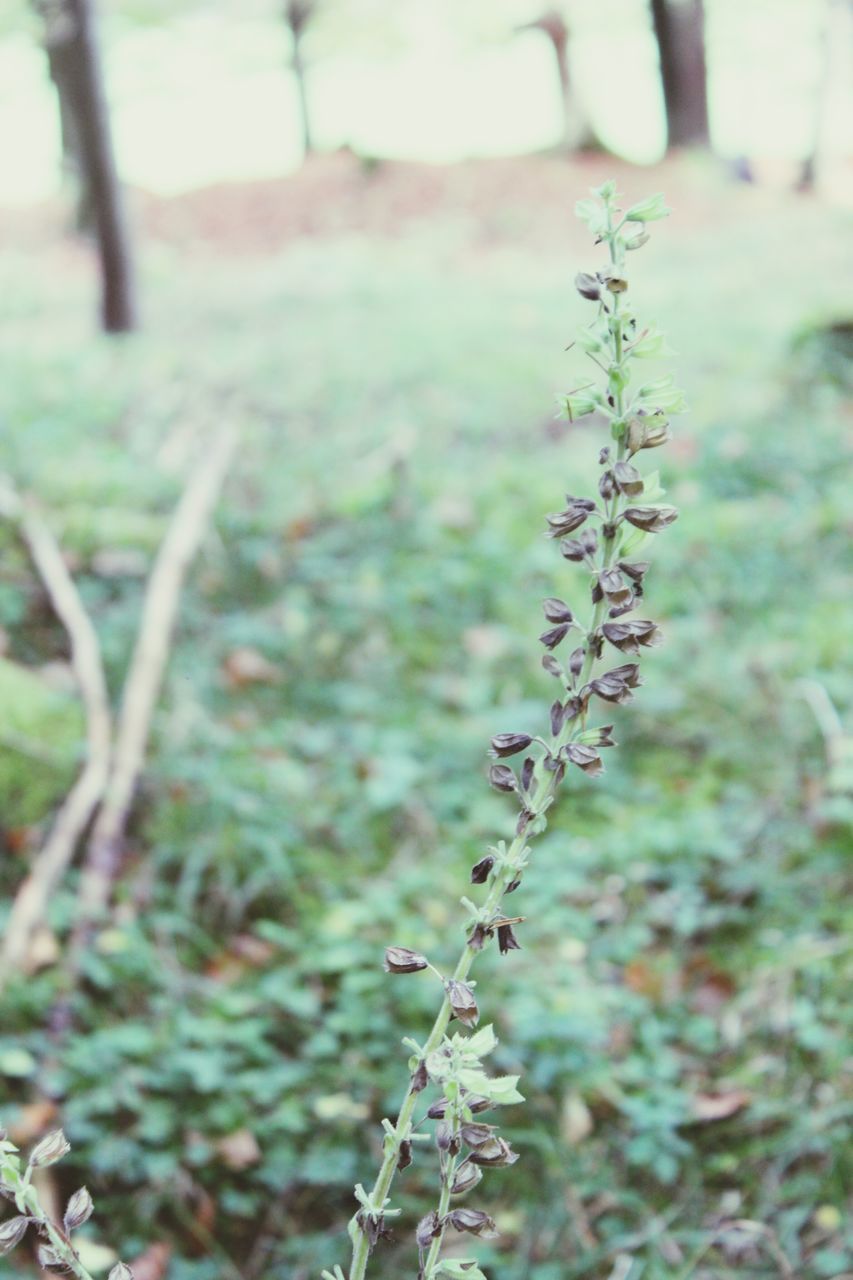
(462, 1002)
(402, 960)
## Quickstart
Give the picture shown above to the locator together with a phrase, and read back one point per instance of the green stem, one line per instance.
(443, 1209)
(544, 790)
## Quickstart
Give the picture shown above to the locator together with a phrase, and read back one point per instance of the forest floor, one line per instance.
(387, 339)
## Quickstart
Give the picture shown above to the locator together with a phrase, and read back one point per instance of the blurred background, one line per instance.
(292, 501)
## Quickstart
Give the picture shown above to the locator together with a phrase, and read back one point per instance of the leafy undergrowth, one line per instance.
(362, 620)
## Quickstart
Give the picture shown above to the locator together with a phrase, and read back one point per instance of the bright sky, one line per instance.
(207, 98)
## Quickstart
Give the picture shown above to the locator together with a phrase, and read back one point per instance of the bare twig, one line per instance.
(53, 859)
(145, 677)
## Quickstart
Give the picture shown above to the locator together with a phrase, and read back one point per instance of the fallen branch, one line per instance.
(144, 681)
(53, 859)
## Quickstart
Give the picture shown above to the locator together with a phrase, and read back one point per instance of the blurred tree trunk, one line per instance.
(831, 37)
(680, 33)
(298, 14)
(75, 66)
(577, 134)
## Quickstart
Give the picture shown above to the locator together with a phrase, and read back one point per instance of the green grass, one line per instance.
(380, 543)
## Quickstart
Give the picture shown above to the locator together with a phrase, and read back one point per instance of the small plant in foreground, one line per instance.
(600, 534)
(56, 1251)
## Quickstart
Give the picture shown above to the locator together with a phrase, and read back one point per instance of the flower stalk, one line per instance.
(56, 1251)
(612, 527)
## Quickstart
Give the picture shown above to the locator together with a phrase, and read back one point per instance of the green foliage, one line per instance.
(688, 948)
(41, 733)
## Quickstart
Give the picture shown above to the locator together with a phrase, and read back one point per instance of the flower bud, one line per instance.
(12, 1232)
(402, 960)
(78, 1210)
(52, 1148)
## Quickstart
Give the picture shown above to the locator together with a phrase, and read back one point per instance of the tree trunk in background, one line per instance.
(680, 33)
(577, 134)
(75, 66)
(298, 14)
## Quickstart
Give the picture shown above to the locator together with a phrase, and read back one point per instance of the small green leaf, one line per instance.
(649, 210)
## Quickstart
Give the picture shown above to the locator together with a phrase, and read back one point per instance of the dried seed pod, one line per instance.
(467, 1177)
(562, 522)
(629, 672)
(628, 479)
(628, 636)
(462, 1002)
(502, 778)
(373, 1226)
(552, 665)
(555, 636)
(599, 737)
(473, 1221)
(52, 1148)
(120, 1272)
(443, 1136)
(475, 1135)
(650, 519)
(480, 870)
(611, 689)
(558, 717)
(49, 1259)
(402, 960)
(528, 771)
(586, 757)
(12, 1232)
(636, 570)
(507, 941)
(588, 286)
(613, 586)
(495, 1153)
(509, 744)
(428, 1229)
(556, 610)
(607, 485)
(79, 1210)
(420, 1077)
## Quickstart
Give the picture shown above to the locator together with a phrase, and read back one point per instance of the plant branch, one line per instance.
(53, 859)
